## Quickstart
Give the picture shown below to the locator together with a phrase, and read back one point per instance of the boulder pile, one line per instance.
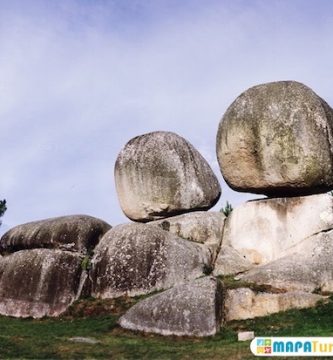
(275, 139)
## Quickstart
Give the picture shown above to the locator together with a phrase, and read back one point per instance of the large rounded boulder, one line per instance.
(40, 282)
(160, 174)
(137, 259)
(277, 139)
(78, 233)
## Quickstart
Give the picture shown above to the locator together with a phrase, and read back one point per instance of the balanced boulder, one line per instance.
(137, 259)
(204, 227)
(78, 233)
(277, 139)
(160, 174)
(192, 309)
(264, 230)
(40, 282)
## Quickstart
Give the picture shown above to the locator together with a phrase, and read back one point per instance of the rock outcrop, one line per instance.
(307, 267)
(200, 226)
(136, 259)
(191, 309)
(160, 174)
(277, 139)
(244, 303)
(264, 230)
(40, 282)
(78, 233)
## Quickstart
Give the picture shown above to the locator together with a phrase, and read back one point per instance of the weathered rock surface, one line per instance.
(229, 261)
(72, 233)
(200, 226)
(160, 174)
(276, 139)
(243, 303)
(136, 259)
(262, 230)
(307, 267)
(191, 309)
(40, 282)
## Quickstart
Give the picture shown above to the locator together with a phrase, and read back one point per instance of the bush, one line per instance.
(227, 209)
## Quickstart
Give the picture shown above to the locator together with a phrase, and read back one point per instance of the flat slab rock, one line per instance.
(191, 309)
(307, 267)
(244, 303)
(40, 282)
(160, 174)
(204, 227)
(264, 230)
(280, 136)
(137, 259)
(79, 233)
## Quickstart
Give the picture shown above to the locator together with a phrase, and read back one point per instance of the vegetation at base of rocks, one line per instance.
(227, 209)
(230, 282)
(84, 308)
(3, 208)
(50, 338)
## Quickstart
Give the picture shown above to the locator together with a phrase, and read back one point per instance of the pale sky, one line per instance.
(80, 78)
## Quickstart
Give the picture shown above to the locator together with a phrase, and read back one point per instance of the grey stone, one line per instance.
(39, 282)
(84, 340)
(200, 226)
(264, 230)
(191, 309)
(244, 303)
(276, 139)
(79, 233)
(229, 261)
(136, 259)
(307, 267)
(245, 335)
(160, 174)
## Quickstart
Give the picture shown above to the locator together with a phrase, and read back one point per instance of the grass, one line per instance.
(49, 338)
(230, 282)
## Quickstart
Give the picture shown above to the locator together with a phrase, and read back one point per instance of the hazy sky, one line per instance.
(78, 79)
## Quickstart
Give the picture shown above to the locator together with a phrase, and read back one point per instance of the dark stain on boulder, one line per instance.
(40, 282)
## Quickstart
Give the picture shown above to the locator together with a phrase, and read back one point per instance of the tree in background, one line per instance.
(3, 208)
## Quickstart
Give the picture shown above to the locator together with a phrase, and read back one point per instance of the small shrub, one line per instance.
(227, 209)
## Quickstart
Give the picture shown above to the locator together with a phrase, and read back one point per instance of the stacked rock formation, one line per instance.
(162, 180)
(275, 139)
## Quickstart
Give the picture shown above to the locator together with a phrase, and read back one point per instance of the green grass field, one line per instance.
(49, 338)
